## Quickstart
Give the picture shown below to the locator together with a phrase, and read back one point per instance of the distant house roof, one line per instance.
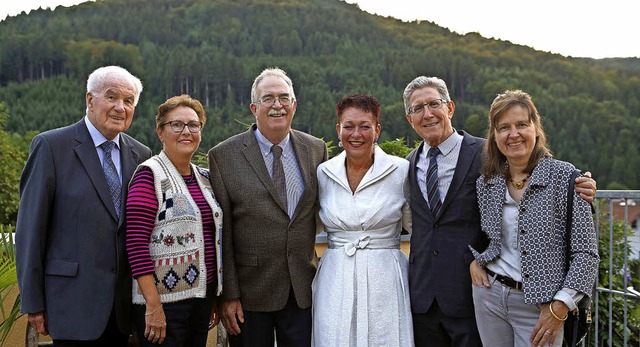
(632, 207)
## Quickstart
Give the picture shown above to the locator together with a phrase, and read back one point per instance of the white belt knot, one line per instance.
(350, 248)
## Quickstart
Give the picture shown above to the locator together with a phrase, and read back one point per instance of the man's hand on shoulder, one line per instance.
(586, 187)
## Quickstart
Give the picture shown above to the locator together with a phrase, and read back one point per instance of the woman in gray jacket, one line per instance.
(522, 290)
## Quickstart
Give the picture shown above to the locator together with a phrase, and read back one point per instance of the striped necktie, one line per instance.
(432, 181)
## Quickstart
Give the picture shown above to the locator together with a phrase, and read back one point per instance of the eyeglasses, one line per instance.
(268, 101)
(178, 126)
(432, 105)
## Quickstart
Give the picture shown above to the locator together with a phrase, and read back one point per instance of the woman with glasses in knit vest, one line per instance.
(173, 234)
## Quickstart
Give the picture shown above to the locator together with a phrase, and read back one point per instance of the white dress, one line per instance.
(361, 290)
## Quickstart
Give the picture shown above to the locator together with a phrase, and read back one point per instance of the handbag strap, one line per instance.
(567, 235)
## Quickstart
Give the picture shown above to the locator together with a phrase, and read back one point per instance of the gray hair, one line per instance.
(98, 79)
(423, 82)
(271, 72)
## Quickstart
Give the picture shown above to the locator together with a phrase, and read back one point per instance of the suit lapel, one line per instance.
(417, 194)
(251, 152)
(465, 159)
(88, 155)
(128, 161)
(301, 150)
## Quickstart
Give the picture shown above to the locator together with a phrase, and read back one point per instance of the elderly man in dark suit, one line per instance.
(265, 181)
(74, 279)
(446, 218)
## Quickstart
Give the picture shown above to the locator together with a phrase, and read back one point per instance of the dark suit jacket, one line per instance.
(264, 252)
(70, 247)
(440, 256)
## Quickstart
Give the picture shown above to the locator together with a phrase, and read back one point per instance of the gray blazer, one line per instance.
(70, 247)
(264, 252)
(542, 227)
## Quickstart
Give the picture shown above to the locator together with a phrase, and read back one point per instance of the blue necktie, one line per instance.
(432, 181)
(110, 172)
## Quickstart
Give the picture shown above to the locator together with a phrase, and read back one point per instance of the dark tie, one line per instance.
(110, 172)
(278, 174)
(432, 181)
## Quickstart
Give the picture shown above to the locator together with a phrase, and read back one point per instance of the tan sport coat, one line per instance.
(264, 252)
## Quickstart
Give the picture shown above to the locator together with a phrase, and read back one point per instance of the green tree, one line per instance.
(13, 155)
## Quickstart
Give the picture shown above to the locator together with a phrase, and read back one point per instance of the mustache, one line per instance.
(280, 112)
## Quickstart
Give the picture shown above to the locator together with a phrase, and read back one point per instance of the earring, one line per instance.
(340, 143)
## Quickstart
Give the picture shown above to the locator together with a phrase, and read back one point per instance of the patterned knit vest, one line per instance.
(177, 242)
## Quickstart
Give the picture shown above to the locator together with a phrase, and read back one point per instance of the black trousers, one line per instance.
(187, 322)
(291, 327)
(435, 329)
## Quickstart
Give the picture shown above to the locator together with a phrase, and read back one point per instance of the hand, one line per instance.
(232, 314)
(586, 187)
(546, 330)
(155, 329)
(478, 275)
(214, 317)
(39, 322)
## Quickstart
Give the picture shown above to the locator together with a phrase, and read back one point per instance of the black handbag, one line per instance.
(579, 322)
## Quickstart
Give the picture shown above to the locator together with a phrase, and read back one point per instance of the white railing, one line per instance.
(617, 207)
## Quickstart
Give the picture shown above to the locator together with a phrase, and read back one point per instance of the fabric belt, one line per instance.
(351, 243)
(505, 280)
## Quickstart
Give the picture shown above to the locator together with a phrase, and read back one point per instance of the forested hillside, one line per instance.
(212, 50)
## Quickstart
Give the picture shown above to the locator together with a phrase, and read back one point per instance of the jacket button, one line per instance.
(523, 231)
(220, 241)
(526, 276)
(522, 209)
(436, 252)
(218, 214)
(289, 253)
(524, 252)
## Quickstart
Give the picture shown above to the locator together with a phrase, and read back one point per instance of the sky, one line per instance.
(577, 28)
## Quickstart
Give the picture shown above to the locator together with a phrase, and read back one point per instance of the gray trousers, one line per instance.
(503, 319)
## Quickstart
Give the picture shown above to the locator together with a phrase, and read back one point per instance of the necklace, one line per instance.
(189, 179)
(519, 184)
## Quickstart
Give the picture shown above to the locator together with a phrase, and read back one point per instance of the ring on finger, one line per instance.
(548, 332)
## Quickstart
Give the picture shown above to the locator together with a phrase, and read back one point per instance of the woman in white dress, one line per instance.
(361, 291)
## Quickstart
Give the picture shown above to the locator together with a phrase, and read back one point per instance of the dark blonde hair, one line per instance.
(495, 163)
(181, 100)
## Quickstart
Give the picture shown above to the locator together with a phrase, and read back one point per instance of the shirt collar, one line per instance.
(446, 146)
(97, 136)
(265, 144)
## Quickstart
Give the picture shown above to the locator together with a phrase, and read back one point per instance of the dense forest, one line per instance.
(213, 49)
